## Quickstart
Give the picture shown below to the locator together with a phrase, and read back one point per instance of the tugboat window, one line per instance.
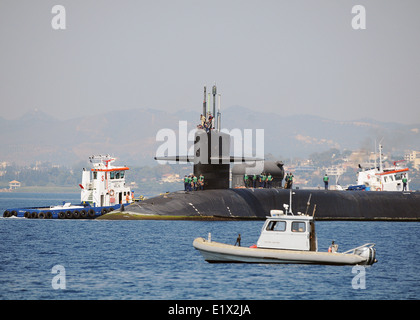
(298, 226)
(112, 174)
(276, 226)
(95, 175)
(117, 175)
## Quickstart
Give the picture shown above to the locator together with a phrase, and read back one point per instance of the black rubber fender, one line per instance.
(61, 215)
(27, 215)
(41, 215)
(69, 214)
(83, 214)
(91, 213)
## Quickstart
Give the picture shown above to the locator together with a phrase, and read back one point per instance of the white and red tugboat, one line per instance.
(103, 189)
(378, 178)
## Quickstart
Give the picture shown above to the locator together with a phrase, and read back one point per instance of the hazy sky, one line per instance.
(287, 57)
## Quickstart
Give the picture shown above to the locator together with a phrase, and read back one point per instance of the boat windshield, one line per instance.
(298, 226)
(117, 174)
(276, 226)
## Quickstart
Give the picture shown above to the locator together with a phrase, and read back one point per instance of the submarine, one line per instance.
(218, 201)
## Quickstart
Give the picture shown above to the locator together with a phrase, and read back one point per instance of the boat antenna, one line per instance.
(290, 202)
(375, 155)
(380, 156)
(313, 212)
(308, 204)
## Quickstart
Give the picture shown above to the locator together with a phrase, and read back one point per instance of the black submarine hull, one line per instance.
(252, 203)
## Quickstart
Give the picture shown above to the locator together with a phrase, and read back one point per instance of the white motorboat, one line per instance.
(284, 239)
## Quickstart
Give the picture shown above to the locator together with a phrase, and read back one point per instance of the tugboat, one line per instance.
(378, 178)
(285, 239)
(103, 190)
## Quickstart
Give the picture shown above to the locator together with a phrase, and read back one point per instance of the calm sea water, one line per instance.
(155, 259)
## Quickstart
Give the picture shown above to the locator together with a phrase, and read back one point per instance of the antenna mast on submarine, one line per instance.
(219, 115)
(204, 103)
(214, 104)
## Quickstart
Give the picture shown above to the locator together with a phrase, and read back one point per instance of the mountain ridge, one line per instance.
(131, 134)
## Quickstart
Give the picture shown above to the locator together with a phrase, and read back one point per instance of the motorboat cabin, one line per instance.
(288, 232)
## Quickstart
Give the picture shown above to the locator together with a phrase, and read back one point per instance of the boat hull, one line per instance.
(60, 212)
(215, 252)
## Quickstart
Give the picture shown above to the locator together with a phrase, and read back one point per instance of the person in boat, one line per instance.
(262, 180)
(210, 121)
(238, 240)
(201, 182)
(333, 247)
(246, 180)
(289, 180)
(202, 119)
(208, 124)
(404, 181)
(326, 178)
(185, 183)
(269, 180)
(189, 181)
(286, 181)
(195, 183)
(291, 176)
(254, 181)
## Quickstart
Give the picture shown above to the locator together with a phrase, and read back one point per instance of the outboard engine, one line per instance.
(368, 253)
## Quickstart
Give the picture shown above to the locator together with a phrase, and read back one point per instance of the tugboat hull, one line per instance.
(59, 212)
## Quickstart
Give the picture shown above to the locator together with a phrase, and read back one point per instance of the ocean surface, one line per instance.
(155, 260)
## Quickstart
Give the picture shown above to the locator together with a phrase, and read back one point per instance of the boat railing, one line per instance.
(366, 245)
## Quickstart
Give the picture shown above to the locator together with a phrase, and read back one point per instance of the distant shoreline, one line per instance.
(38, 189)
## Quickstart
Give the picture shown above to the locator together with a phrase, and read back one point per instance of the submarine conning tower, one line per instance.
(212, 147)
(212, 158)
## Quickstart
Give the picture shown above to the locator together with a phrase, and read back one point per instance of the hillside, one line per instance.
(131, 134)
